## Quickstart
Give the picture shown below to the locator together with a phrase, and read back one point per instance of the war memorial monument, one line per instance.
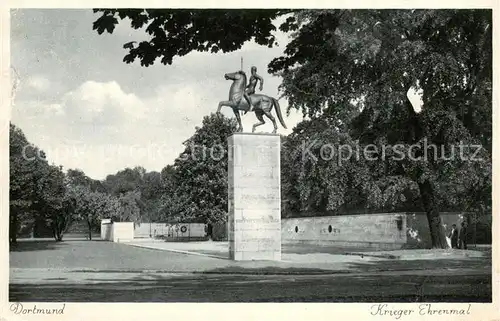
(254, 200)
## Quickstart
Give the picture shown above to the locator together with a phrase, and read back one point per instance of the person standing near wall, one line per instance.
(209, 231)
(462, 239)
(454, 236)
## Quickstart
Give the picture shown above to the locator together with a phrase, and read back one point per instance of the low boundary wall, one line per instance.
(380, 230)
(385, 230)
(170, 231)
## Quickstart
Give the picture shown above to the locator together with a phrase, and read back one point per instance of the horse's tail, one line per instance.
(278, 112)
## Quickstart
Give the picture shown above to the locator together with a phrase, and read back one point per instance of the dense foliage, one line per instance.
(363, 67)
(196, 185)
(177, 32)
(37, 190)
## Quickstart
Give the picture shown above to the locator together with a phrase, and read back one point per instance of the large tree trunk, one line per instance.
(63, 228)
(14, 222)
(58, 233)
(436, 228)
(90, 230)
(57, 236)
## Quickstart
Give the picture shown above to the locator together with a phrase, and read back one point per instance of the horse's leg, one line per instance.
(234, 105)
(258, 113)
(238, 117)
(268, 114)
(224, 103)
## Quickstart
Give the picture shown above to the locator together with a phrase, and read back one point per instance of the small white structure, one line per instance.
(123, 231)
(117, 231)
(106, 229)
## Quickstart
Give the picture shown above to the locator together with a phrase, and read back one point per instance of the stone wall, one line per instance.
(386, 230)
(375, 230)
(143, 230)
(166, 230)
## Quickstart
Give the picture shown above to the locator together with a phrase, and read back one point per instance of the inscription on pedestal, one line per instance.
(254, 204)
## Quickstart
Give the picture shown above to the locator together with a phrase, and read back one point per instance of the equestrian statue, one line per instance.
(244, 98)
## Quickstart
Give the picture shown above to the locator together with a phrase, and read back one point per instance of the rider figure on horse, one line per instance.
(240, 89)
(250, 90)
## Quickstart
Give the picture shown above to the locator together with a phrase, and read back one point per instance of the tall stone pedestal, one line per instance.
(254, 223)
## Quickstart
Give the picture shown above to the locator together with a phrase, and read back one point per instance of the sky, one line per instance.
(79, 102)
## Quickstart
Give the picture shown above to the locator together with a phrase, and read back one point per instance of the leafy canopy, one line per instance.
(196, 185)
(177, 32)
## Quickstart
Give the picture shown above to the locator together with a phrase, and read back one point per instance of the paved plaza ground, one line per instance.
(156, 271)
(309, 253)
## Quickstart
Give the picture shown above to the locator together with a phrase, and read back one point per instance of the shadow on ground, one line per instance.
(464, 280)
(412, 265)
(368, 266)
(265, 288)
(36, 246)
(312, 249)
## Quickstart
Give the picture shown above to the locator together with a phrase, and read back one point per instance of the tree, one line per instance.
(151, 192)
(128, 207)
(358, 67)
(177, 32)
(168, 200)
(77, 177)
(324, 174)
(63, 218)
(380, 55)
(91, 207)
(127, 185)
(22, 160)
(196, 188)
(51, 203)
(36, 188)
(124, 181)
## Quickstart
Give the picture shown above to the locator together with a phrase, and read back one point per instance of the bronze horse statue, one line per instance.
(263, 104)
